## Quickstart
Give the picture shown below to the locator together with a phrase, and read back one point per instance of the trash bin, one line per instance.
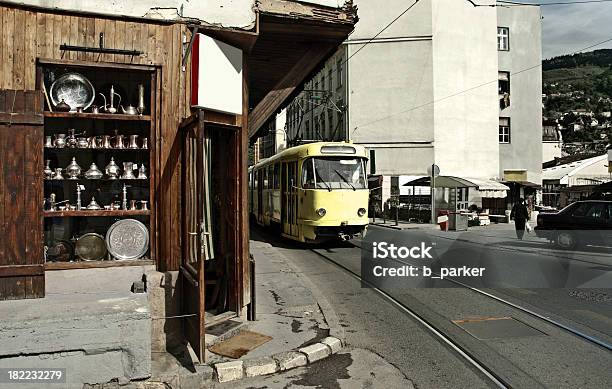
(443, 220)
(457, 221)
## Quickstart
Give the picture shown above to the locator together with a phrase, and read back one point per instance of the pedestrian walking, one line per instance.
(520, 215)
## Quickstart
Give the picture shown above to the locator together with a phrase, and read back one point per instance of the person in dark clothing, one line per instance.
(520, 215)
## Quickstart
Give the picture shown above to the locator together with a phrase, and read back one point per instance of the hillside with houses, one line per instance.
(577, 102)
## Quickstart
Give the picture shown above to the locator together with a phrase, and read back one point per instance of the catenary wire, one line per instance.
(471, 88)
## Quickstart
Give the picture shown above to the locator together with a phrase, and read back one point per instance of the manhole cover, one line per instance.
(497, 328)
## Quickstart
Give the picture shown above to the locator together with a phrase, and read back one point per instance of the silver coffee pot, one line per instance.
(112, 169)
(48, 172)
(110, 107)
(133, 142)
(93, 173)
(128, 171)
(60, 141)
(73, 170)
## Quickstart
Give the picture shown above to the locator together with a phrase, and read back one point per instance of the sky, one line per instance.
(569, 28)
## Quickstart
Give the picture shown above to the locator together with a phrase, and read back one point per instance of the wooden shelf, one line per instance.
(98, 116)
(95, 264)
(100, 213)
(99, 179)
(87, 149)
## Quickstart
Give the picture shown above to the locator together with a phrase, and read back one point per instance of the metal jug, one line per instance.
(128, 171)
(120, 141)
(48, 172)
(133, 142)
(48, 142)
(60, 141)
(58, 174)
(106, 143)
(142, 172)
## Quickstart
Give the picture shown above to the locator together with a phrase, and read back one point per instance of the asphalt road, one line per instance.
(521, 349)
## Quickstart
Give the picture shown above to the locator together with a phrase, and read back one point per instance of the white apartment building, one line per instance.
(448, 83)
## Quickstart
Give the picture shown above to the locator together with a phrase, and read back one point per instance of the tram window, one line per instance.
(308, 180)
(270, 177)
(339, 173)
(276, 176)
(264, 172)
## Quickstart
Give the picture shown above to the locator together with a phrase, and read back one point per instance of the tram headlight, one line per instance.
(321, 212)
(361, 211)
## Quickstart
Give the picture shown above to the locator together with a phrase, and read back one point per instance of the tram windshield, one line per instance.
(334, 173)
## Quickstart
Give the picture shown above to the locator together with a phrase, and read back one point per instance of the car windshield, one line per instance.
(334, 173)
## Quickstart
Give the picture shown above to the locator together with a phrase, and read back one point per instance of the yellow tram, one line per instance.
(313, 192)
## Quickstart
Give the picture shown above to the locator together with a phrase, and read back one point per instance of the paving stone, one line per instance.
(316, 352)
(290, 359)
(260, 366)
(334, 344)
(229, 371)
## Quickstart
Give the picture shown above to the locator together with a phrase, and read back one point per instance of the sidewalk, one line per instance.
(303, 327)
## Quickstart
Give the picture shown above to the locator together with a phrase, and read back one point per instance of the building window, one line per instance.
(307, 132)
(504, 130)
(503, 86)
(330, 83)
(323, 85)
(339, 73)
(503, 39)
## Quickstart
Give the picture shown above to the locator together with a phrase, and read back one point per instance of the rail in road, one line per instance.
(474, 356)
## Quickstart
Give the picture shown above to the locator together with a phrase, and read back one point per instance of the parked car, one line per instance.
(581, 223)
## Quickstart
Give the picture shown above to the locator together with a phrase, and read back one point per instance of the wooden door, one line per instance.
(193, 241)
(289, 190)
(21, 195)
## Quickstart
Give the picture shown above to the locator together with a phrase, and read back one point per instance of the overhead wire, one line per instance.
(471, 88)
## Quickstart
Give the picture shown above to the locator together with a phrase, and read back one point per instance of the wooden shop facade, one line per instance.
(140, 170)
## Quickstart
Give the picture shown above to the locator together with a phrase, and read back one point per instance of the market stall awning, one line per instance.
(488, 188)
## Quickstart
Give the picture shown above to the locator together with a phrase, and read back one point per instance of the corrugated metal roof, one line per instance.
(570, 169)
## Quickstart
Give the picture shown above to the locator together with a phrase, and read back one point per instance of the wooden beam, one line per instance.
(286, 86)
(22, 270)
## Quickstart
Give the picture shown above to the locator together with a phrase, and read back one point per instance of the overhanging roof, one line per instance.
(294, 40)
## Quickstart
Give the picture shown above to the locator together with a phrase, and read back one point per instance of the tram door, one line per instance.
(260, 202)
(289, 201)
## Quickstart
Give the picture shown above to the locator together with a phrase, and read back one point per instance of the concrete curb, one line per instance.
(287, 360)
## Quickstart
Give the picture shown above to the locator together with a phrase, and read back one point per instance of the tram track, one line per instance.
(461, 351)
(470, 357)
(556, 323)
